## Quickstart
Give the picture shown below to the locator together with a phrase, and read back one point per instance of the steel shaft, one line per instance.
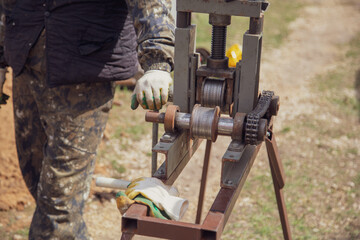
(182, 122)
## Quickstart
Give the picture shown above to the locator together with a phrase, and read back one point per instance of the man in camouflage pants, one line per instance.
(65, 55)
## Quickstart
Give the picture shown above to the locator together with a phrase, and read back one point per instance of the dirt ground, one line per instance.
(312, 49)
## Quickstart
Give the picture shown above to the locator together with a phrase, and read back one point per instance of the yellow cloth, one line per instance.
(234, 53)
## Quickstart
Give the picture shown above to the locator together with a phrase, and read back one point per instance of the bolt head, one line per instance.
(228, 182)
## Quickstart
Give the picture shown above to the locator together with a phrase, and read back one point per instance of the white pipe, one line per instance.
(111, 183)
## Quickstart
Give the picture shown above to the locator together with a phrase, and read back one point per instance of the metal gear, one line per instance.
(253, 118)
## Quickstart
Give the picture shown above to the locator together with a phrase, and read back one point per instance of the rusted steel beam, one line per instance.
(181, 150)
(213, 226)
(278, 177)
(281, 207)
(134, 221)
(127, 236)
(227, 197)
(275, 160)
(203, 181)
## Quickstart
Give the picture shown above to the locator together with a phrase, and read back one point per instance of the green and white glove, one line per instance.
(165, 198)
(152, 90)
(3, 96)
(123, 203)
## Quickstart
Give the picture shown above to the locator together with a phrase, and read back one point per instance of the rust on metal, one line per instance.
(204, 71)
(274, 158)
(169, 121)
(214, 125)
(203, 181)
(181, 149)
(256, 25)
(213, 225)
(281, 205)
(135, 222)
(154, 117)
(238, 126)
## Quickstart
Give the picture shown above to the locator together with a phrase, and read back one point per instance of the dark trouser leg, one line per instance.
(30, 136)
(72, 119)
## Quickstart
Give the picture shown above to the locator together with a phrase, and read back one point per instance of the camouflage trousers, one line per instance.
(57, 134)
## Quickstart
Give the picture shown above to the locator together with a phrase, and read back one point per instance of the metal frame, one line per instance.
(178, 145)
(135, 221)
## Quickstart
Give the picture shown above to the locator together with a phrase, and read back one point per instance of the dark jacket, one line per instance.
(86, 41)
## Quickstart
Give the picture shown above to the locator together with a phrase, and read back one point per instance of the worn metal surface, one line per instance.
(178, 121)
(236, 89)
(194, 63)
(182, 120)
(184, 49)
(204, 122)
(204, 71)
(183, 19)
(255, 125)
(238, 126)
(203, 181)
(213, 225)
(136, 221)
(213, 92)
(234, 8)
(249, 76)
(127, 236)
(227, 197)
(169, 120)
(274, 158)
(227, 74)
(282, 210)
(278, 181)
(256, 25)
(225, 126)
(177, 155)
(155, 133)
(234, 169)
(154, 116)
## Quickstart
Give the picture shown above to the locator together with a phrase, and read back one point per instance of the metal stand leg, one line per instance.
(278, 177)
(127, 236)
(155, 132)
(203, 181)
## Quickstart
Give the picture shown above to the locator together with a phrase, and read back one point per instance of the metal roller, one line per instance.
(213, 93)
(204, 122)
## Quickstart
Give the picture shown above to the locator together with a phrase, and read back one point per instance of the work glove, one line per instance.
(151, 90)
(164, 199)
(123, 203)
(3, 96)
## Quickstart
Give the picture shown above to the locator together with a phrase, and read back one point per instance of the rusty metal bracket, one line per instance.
(178, 147)
(214, 86)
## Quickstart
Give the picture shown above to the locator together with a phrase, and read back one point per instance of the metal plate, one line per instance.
(234, 8)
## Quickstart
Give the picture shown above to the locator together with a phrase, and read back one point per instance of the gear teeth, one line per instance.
(253, 118)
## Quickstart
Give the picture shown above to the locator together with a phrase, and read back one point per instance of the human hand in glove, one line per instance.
(3, 96)
(164, 198)
(151, 90)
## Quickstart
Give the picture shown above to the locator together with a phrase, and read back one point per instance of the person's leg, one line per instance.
(29, 133)
(73, 118)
